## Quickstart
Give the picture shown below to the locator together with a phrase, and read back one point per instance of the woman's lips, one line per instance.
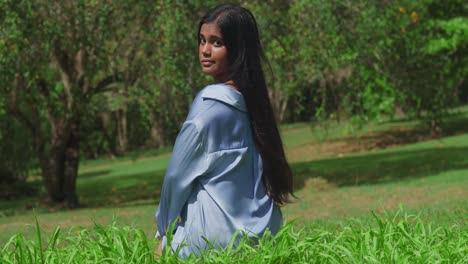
(207, 63)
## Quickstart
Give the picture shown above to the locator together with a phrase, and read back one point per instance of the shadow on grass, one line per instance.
(372, 168)
(368, 168)
(382, 167)
(97, 190)
(126, 190)
(92, 174)
(456, 124)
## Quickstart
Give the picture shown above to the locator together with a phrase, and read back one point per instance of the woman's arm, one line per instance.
(188, 161)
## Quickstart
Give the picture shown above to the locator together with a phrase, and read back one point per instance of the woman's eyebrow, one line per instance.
(211, 36)
(214, 37)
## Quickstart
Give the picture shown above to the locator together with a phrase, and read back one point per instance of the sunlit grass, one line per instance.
(397, 237)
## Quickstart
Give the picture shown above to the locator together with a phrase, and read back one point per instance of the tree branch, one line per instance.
(104, 83)
(65, 66)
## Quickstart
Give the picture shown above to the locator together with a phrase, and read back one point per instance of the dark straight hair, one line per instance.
(245, 55)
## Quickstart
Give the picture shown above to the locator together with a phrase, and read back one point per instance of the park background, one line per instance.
(371, 97)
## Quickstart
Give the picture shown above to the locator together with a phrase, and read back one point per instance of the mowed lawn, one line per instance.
(338, 176)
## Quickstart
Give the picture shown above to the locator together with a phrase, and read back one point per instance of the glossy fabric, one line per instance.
(214, 179)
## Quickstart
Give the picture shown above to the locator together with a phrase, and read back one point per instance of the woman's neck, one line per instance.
(231, 84)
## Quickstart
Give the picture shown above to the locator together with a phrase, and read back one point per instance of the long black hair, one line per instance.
(245, 55)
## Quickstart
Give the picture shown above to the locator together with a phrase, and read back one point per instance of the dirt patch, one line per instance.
(395, 137)
(358, 144)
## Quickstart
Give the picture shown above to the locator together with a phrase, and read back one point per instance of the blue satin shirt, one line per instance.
(214, 179)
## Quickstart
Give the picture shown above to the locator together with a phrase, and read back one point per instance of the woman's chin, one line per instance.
(208, 71)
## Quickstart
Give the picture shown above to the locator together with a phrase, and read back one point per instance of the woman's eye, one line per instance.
(202, 41)
(217, 43)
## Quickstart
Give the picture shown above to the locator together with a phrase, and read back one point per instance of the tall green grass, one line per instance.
(390, 238)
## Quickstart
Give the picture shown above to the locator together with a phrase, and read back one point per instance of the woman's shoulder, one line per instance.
(217, 105)
(217, 100)
(224, 94)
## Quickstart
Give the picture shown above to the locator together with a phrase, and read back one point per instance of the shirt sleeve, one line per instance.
(187, 163)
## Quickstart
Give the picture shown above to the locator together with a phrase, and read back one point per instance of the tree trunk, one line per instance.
(59, 167)
(72, 159)
(122, 136)
(156, 139)
(108, 131)
(52, 174)
(279, 101)
(52, 163)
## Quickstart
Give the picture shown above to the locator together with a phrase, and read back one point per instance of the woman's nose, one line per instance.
(206, 50)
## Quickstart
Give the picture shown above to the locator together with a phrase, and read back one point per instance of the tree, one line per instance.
(365, 59)
(54, 58)
(452, 43)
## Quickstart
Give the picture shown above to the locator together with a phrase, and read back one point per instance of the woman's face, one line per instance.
(213, 53)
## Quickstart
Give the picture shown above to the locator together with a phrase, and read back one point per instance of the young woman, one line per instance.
(228, 169)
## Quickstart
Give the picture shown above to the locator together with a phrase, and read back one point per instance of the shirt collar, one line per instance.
(225, 94)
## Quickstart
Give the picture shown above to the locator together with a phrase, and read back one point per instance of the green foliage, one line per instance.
(341, 57)
(427, 81)
(390, 238)
(456, 31)
(364, 59)
(17, 155)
